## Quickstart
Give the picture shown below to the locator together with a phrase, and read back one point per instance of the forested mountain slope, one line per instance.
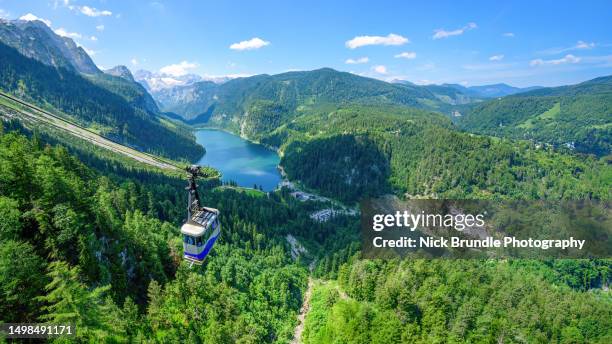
(354, 151)
(101, 248)
(55, 73)
(123, 118)
(449, 301)
(577, 116)
(473, 93)
(128, 89)
(36, 40)
(492, 91)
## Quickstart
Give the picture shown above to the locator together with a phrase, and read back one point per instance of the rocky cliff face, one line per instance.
(36, 40)
(120, 71)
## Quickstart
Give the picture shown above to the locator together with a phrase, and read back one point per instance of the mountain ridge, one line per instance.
(121, 115)
(479, 91)
(294, 90)
(578, 116)
(36, 40)
(120, 71)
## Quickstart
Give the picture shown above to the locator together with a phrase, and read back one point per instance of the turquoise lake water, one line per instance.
(239, 160)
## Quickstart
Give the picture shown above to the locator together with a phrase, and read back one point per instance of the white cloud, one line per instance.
(390, 39)
(93, 38)
(100, 28)
(94, 12)
(178, 69)
(441, 33)
(580, 45)
(357, 61)
(584, 45)
(409, 55)
(251, 44)
(31, 17)
(566, 59)
(496, 57)
(134, 61)
(508, 34)
(62, 32)
(4, 14)
(380, 69)
(65, 3)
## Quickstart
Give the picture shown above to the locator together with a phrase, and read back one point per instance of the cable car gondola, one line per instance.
(202, 228)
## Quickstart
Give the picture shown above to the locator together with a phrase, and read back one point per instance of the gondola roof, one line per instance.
(199, 222)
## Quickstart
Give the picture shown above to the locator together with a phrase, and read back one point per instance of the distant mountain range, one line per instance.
(157, 81)
(576, 116)
(234, 101)
(475, 92)
(154, 82)
(197, 101)
(492, 91)
(52, 71)
(563, 116)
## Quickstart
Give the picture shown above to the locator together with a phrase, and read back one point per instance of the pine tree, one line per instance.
(69, 301)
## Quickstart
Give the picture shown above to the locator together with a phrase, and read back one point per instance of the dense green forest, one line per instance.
(576, 116)
(123, 116)
(107, 240)
(101, 248)
(450, 301)
(357, 151)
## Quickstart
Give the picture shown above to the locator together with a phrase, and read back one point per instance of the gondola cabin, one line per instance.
(200, 233)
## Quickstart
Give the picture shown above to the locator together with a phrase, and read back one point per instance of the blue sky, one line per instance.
(521, 43)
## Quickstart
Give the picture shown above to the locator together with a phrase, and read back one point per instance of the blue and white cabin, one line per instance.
(200, 233)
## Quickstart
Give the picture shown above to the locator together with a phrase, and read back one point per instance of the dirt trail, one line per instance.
(297, 334)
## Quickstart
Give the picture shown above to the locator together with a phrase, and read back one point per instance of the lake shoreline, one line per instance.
(299, 191)
(244, 137)
(245, 162)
